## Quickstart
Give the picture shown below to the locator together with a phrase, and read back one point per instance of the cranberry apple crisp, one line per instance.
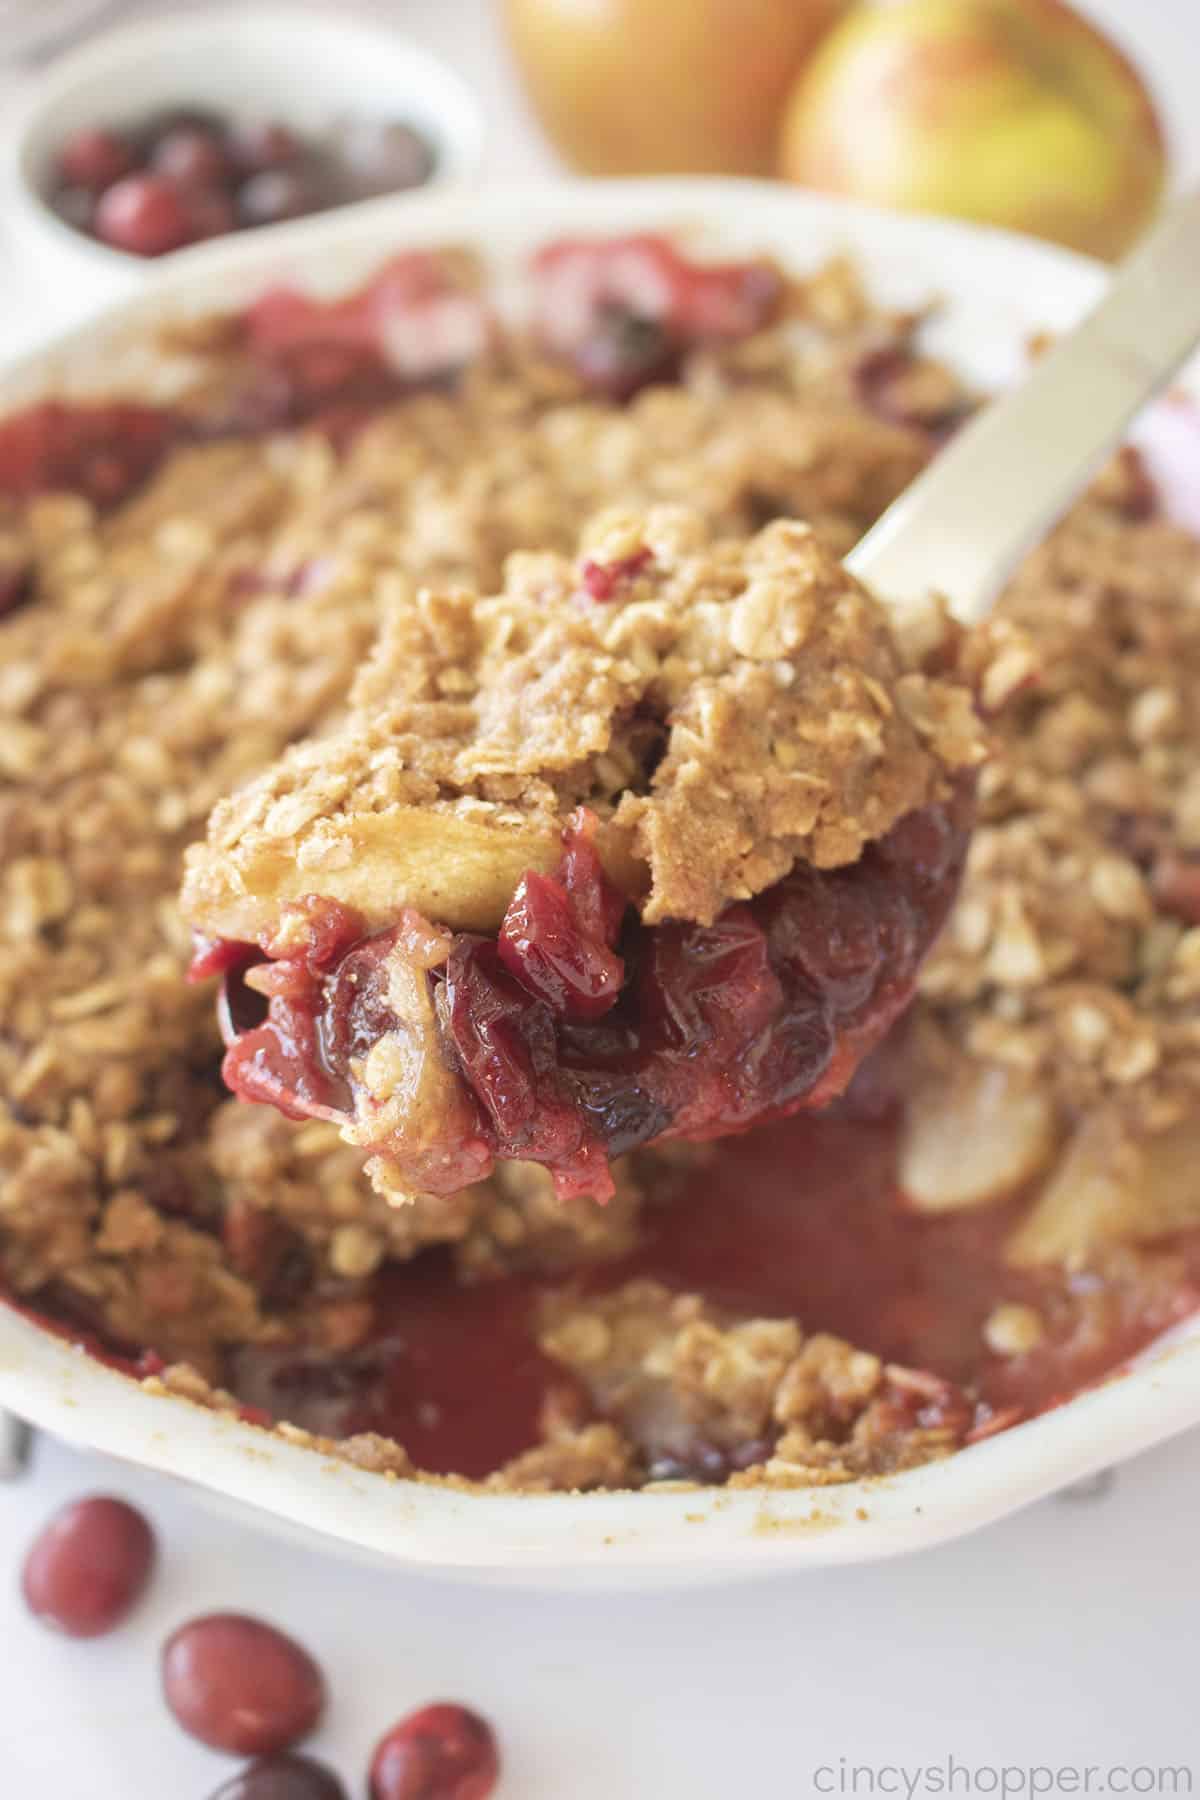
(649, 844)
(187, 590)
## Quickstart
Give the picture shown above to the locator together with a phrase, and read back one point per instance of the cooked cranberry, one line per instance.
(144, 214)
(214, 956)
(443, 1752)
(278, 194)
(568, 1054)
(379, 157)
(543, 943)
(597, 902)
(192, 156)
(623, 353)
(238, 1684)
(87, 1569)
(258, 144)
(604, 581)
(624, 310)
(93, 158)
(103, 451)
(283, 1778)
(898, 388)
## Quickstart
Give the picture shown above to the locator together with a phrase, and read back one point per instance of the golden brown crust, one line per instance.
(726, 709)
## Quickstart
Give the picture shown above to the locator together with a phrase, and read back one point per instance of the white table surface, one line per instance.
(1063, 1638)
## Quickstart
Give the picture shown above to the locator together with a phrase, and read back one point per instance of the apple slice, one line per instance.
(968, 1143)
(1111, 1188)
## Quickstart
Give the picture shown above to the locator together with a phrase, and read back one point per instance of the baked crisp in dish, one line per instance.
(335, 585)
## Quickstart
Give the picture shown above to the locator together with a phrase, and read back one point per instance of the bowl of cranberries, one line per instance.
(156, 138)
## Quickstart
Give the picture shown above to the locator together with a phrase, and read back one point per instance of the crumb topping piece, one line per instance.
(727, 709)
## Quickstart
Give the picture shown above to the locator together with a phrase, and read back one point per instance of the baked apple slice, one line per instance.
(650, 844)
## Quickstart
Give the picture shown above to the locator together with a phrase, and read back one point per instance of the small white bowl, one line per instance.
(997, 290)
(303, 67)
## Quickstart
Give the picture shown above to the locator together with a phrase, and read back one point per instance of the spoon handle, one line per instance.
(1013, 471)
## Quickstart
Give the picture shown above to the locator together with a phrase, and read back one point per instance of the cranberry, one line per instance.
(543, 944)
(87, 1569)
(624, 352)
(443, 1752)
(258, 144)
(215, 956)
(93, 158)
(210, 214)
(604, 581)
(625, 310)
(192, 156)
(238, 1684)
(103, 451)
(276, 195)
(283, 1778)
(379, 157)
(144, 214)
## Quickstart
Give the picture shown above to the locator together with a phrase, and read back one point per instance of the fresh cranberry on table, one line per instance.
(443, 1752)
(144, 214)
(93, 158)
(284, 1777)
(89, 1566)
(238, 1684)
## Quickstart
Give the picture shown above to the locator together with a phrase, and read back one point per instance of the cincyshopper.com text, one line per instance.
(913, 1781)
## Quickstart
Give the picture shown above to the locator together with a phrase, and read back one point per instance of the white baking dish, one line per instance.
(997, 289)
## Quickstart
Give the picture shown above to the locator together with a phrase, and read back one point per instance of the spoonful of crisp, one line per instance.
(651, 843)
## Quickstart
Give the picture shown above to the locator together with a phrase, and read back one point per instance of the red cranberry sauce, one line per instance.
(417, 1379)
(578, 1033)
(329, 364)
(625, 311)
(102, 451)
(801, 1220)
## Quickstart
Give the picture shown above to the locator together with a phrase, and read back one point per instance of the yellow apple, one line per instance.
(640, 87)
(1014, 112)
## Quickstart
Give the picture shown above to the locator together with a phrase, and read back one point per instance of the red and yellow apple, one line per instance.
(641, 87)
(1015, 112)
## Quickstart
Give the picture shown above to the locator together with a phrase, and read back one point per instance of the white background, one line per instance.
(1064, 1637)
